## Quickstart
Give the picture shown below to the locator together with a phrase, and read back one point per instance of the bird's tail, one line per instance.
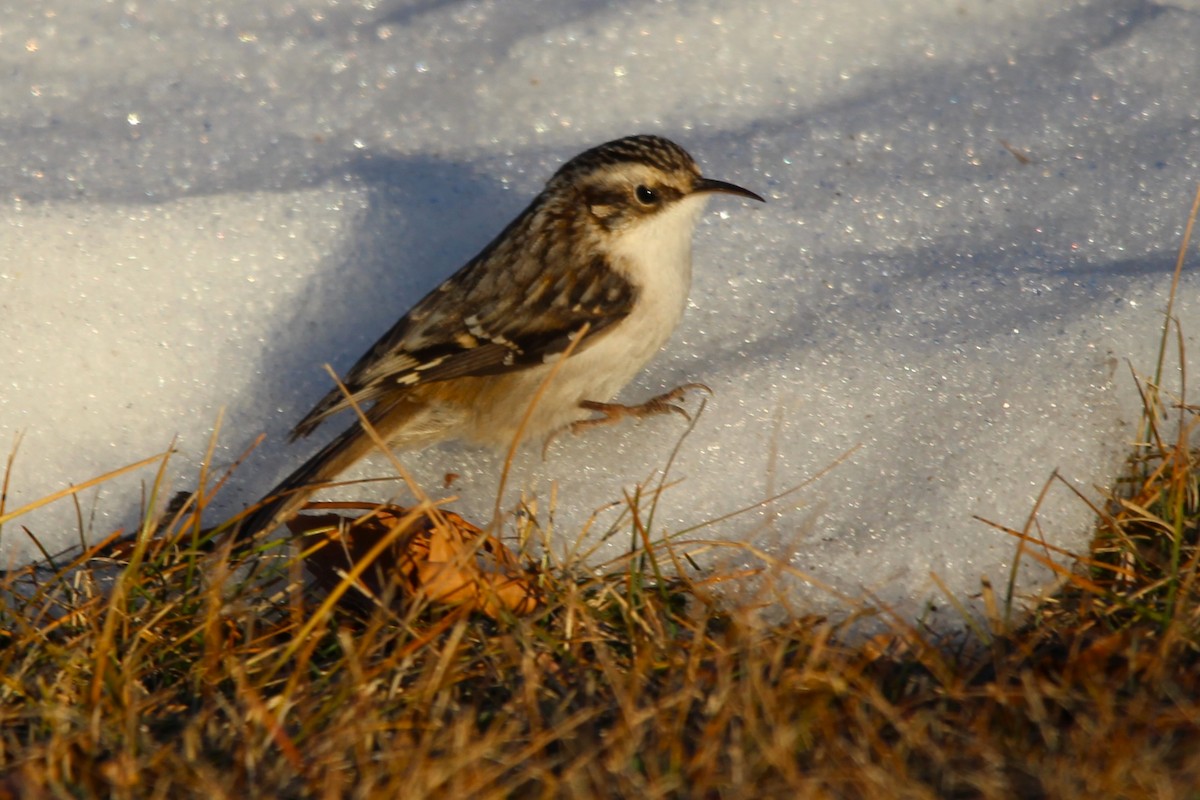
(289, 495)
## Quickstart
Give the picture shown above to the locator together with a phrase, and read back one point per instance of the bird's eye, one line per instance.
(646, 196)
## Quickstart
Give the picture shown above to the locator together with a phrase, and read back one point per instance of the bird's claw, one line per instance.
(664, 403)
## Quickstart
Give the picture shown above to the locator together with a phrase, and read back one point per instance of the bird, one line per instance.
(597, 267)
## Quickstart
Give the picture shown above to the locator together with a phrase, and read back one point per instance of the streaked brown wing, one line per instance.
(486, 320)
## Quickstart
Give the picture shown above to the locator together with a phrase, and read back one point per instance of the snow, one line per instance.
(973, 219)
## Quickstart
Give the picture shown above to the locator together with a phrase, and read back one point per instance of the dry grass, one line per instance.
(185, 671)
(188, 670)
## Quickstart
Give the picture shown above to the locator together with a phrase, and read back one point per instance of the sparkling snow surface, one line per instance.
(974, 214)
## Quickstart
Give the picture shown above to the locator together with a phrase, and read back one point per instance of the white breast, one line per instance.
(656, 256)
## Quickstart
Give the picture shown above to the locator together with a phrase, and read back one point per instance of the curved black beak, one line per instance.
(710, 185)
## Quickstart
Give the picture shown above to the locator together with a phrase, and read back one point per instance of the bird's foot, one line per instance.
(615, 412)
(610, 413)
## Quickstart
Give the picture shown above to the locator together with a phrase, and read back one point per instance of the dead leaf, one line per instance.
(448, 561)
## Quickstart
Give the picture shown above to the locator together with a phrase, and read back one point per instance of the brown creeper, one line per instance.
(606, 245)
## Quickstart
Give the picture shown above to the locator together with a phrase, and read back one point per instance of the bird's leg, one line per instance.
(614, 412)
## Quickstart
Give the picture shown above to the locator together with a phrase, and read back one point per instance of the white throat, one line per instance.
(656, 254)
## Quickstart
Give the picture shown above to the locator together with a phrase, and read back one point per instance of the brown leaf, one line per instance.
(444, 559)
